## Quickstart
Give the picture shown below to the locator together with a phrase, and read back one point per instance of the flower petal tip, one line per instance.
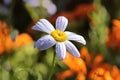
(78, 55)
(42, 20)
(62, 17)
(34, 27)
(61, 58)
(84, 43)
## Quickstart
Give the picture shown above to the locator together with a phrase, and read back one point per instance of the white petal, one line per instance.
(72, 49)
(75, 37)
(44, 26)
(60, 50)
(45, 42)
(61, 23)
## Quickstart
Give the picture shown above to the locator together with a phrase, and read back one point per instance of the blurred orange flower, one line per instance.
(96, 74)
(76, 65)
(80, 11)
(5, 39)
(69, 15)
(113, 40)
(81, 76)
(85, 55)
(94, 69)
(83, 10)
(71, 62)
(6, 43)
(98, 60)
(65, 74)
(22, 39)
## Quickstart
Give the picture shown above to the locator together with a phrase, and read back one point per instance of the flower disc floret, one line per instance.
(59, 35)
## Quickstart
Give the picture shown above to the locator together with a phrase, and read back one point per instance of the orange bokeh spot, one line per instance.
(65, 74)
(115, 72)
(71, 62)
(98, 60)
(113, 39)
(81, 76)
(6, 43)
(22, 39)
(80, 11)
(97, 69)
(5, 39)
(85, 55)
(97, 73)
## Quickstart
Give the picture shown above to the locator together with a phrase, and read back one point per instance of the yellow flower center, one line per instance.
(59, 35)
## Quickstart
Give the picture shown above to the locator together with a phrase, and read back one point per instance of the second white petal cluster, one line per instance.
(48, 41)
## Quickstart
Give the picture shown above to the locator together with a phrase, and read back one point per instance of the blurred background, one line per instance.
(97, 20)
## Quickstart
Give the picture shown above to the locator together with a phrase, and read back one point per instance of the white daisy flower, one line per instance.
(57, 36)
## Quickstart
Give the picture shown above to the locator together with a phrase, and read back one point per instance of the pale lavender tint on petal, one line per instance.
(61, 23)
(75, 37)
(72, 49)
(44, 26)
(45, 42)
(60, 50)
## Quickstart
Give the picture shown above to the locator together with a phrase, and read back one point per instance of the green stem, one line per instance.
(52, 67)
